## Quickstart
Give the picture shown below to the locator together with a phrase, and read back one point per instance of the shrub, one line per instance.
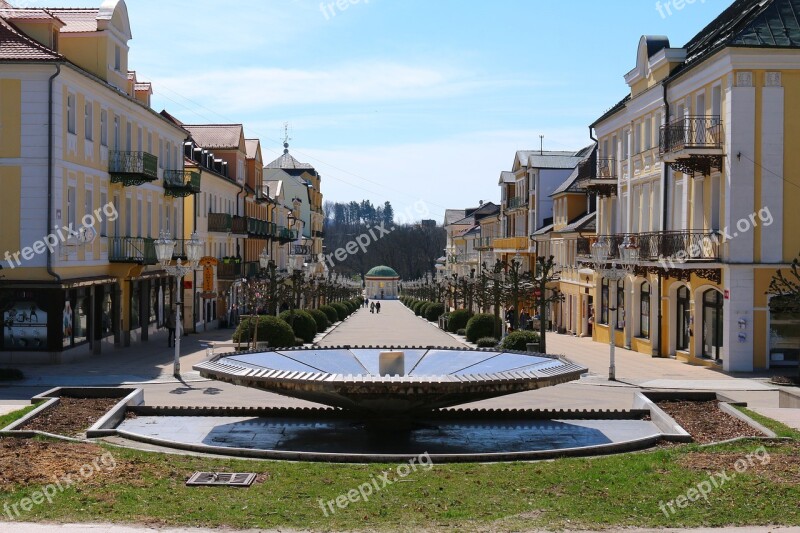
(341, 310)
(518, 340)
(481, 325)
(321, 319)
(298, 341)
(423, 309)
(462, 332)
(458, 320)
(351, 307)
(330, 312)
(271, 329)
(418, 308)
(303, 324)
(487, 342)
(11, 374)
(434, 311)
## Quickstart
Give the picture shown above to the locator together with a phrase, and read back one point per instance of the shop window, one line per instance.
(620, 305)
(604, 302)
(683, 319)
(644, 306)
(784, 332)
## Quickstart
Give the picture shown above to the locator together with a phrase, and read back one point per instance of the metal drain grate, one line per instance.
(220, 479)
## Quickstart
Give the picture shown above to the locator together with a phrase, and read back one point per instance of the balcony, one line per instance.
(603, 181)
(132, 169)
(229, 271)
(220, 222)
(514, 244)
(666, 247)
(517, 202)
(285, 235)
(485, 243)
(239, 225)
(260, 228)
(300, 249)
(181, 183)
(139, 250)
(466, 258)
(693, 144)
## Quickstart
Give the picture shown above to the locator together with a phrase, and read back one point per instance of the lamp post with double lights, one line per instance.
(614, 271)
(165, 248)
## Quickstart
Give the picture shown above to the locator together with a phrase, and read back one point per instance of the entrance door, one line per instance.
(683, 320)
(712, 324)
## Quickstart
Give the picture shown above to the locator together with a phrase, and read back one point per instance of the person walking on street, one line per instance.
(372, 307)
(171, 319)
(378, 308)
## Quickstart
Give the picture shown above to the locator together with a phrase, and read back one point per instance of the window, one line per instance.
(716, 199)
(103, 220)
(648, 133)
(644, 307)
(117, 58)
(160, 153)
(71, 208)
(716, 102)
(621, 304)
(138, 217)
(149, 218)
(88, 121)
(604, 302)
(683, 319)
(71, 113)
(128, 210)
(139, 140)
(116, 133)
(88, 203)
(625, 143)
(637, 138)
(103, 127)
(149, 143)
(784, 332)
(712, 323)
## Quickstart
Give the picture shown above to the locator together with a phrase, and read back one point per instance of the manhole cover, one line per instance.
(229, 479)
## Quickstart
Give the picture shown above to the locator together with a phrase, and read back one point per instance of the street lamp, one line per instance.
(165, 247)
(614, 271)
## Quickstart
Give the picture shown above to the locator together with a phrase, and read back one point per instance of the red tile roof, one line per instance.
(217, 136)
(77, 20)
(16, 46)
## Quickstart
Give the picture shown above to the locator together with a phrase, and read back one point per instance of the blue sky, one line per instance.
(400, 100)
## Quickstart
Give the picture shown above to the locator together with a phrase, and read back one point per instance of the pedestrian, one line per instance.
(366, 302)
(372, 307)
(378, 308)
(171, 323)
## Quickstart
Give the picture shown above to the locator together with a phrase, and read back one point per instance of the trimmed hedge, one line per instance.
(303, 324)
(341, 310)
(518, 340)
(321, 319)
(487, 342)
(418, 308)
(458, 320)
(331, 313)
(481, 325)
(462, 332)
(271, 329)
(434, 311)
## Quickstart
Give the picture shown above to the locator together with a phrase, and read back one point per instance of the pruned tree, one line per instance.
(545, 273)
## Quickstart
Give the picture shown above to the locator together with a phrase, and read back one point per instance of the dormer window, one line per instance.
(117, 58)
(54, 45)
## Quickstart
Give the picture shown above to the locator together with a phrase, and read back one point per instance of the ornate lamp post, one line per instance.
(614, 271)
(165, 247)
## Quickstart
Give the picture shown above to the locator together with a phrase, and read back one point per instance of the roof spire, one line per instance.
(286, 138)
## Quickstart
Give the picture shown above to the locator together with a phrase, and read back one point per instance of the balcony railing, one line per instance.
(606, 169)
(229, 271)
(485, 243)
(181, 183)
(132, 168)
(260, 228)
(666, 246)
(285, 234)
(139, 250)
(220, 222)
(239, 225)
(691, 132)
(512, 243)
(300, 249)
(517, 201)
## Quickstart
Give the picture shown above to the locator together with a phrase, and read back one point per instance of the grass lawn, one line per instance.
(13, 416)
(621, 490)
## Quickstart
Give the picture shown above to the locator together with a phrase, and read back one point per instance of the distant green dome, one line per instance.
(382, 272)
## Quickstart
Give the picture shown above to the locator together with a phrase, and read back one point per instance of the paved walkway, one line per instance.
(395, 325)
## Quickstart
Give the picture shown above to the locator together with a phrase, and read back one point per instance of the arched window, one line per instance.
(712, 323)
(683, 319)
(644, 306)
(604, 302)
(621, 304)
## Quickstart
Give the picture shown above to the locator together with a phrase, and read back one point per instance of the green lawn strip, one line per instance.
(622, 490)
(13, 416)
(782, 430)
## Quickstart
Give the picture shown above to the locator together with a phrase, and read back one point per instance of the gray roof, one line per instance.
(538, 160)
(543, 231)
(582, 223)
(569, 184)
(507, 177)
(287, 162)
(453, 215)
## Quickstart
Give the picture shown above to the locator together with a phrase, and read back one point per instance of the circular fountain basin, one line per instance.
(425, 378)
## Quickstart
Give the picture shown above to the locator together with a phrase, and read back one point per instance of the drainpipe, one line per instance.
(664, 206)
(50, 149)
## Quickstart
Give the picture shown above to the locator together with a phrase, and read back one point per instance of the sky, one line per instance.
(419, 102)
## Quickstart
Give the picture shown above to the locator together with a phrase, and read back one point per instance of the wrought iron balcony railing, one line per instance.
(220, 222)
(666, 246)
(606, 169)
(239, 225)
(181, 183)
(132, 168)
(691, 132)
(301, 249)
(517, 201)
(485, 243)
(139, 250)
(285, 235)
(229, 271)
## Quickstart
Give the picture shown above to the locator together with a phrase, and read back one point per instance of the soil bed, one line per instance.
(705, 422)
(71, 416)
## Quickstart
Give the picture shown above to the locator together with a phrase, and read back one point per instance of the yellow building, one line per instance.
(697, 166)
(91, 175)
